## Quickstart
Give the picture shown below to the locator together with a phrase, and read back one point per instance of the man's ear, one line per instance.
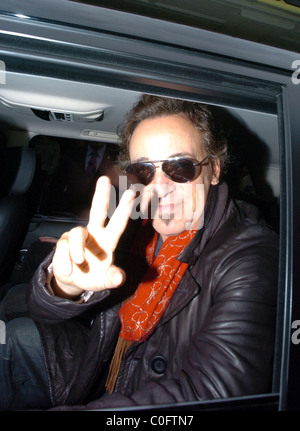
(216, 171)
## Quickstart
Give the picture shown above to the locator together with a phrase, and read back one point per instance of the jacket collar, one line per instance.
(216, 208)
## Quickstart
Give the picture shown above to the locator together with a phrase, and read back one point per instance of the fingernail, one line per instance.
(117, 278)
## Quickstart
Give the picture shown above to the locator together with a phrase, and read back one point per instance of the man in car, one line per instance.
(180, 308)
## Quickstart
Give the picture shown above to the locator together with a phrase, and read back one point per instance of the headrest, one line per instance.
(17, 170)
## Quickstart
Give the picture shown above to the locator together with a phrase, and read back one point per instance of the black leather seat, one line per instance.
(18, 201)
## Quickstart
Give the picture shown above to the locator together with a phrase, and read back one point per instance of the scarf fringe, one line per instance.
(121, 348)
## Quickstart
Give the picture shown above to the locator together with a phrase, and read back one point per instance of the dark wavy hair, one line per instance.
(200, 115)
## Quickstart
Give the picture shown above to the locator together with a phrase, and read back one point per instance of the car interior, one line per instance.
(45, 121)
(65, 87)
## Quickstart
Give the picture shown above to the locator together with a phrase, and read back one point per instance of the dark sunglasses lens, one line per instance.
(143, 171)
(180, 171)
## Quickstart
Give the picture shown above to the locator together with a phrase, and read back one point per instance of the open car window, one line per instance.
(72, 88)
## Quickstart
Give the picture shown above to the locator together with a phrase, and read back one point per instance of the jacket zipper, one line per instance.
(47, 367)
(92, 373)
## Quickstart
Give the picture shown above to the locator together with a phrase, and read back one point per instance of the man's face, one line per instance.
(176, 207)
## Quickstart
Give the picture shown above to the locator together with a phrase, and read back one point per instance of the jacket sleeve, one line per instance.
(232, 352)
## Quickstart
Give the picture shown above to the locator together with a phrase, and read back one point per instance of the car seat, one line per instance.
(18, 200)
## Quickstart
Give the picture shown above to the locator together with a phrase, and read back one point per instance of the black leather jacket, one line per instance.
(215, 340)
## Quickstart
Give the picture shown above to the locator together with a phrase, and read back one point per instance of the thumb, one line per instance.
(115, 277)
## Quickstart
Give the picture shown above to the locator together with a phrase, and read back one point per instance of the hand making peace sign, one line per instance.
(84, 256)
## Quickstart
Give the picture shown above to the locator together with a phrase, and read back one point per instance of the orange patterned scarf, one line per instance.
(141, 313)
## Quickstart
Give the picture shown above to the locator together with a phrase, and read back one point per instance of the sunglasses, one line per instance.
(178, 169)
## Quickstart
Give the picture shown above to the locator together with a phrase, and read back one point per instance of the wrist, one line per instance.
(57, 288)
(65, 291)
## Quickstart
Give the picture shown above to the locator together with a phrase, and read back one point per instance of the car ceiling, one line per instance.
(23, 92)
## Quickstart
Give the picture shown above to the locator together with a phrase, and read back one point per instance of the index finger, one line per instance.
(100, 204)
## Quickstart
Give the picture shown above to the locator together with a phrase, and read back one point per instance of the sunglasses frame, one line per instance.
(153, 162)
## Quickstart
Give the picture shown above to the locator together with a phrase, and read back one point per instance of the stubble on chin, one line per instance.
(167, 220)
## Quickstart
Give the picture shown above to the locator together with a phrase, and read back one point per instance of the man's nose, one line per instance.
(161, 184)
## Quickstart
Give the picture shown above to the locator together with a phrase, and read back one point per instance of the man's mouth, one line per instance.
(168, 210)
